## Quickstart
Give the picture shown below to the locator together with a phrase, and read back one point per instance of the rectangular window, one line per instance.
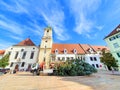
(11, 64)
(24, 55)
(45, 50)
(32, 55)
(68, 58)
(23, 63)
(63, 58)
(44, 59)
(116, 45)
(95, 59)
(91, 58)
(118, 54)
(118, 36)
(58, 58)
(9, 52)
(16, 55)
(112, 38)
(93, 65)
(71, 58)
(53, 58)
(97, 65)
(83, 58)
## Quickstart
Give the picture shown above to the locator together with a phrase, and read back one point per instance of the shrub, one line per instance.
(74, 68)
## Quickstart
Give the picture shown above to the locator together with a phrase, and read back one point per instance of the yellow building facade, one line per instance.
(45, 47)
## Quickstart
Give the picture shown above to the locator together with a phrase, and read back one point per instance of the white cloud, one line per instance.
(99, 27)
(16, 6)
(5, 44)
(81, 11)
(10, 26)
(35, 28)
(83, 25)
(16, 37)
(51, 11)
(55, 18)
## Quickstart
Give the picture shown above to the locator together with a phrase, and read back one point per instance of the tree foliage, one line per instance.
(4, 61)
(74, 68)
(109, 60)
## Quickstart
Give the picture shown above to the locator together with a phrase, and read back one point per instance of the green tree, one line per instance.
(74, 68)
(109, 60)
(4, 61)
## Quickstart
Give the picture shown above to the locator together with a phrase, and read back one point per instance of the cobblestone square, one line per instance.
(103, 80)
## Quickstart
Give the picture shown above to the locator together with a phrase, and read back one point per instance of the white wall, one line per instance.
(65, 56)
(94, 62)
(19, 60)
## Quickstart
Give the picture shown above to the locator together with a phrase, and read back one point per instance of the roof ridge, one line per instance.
(113, 32)
(26, 42)
(82, 48)
(91, 47)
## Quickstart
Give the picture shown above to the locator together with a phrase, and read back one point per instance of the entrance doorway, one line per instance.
(29, 67)
(17, 67)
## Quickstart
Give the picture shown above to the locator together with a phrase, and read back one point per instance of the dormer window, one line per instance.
(56, 51)
(118, 29)
(91, 50)
(65, 51)
(75, 51)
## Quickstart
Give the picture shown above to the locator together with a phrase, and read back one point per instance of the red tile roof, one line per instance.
(86, 47)
(26, 42)
(99, 48)
(113, 32)
(81, 48)
(69, 47)
(2, 52)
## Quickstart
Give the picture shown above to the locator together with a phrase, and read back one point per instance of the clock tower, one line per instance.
(45, 47)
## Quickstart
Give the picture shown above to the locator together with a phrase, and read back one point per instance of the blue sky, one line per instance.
(73, 21)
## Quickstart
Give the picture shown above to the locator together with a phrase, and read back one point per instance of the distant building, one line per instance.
(22, 55)
(2, 53)
(50, 52)
(25, 53)
(113, 42)
(63, 52)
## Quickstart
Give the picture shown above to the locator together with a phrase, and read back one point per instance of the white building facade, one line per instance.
(94, 60)
(63, 52)
(22, 55)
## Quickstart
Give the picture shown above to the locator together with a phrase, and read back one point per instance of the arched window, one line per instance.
(75, 51)
(65, 51)
(56, 51)
(47, 31)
